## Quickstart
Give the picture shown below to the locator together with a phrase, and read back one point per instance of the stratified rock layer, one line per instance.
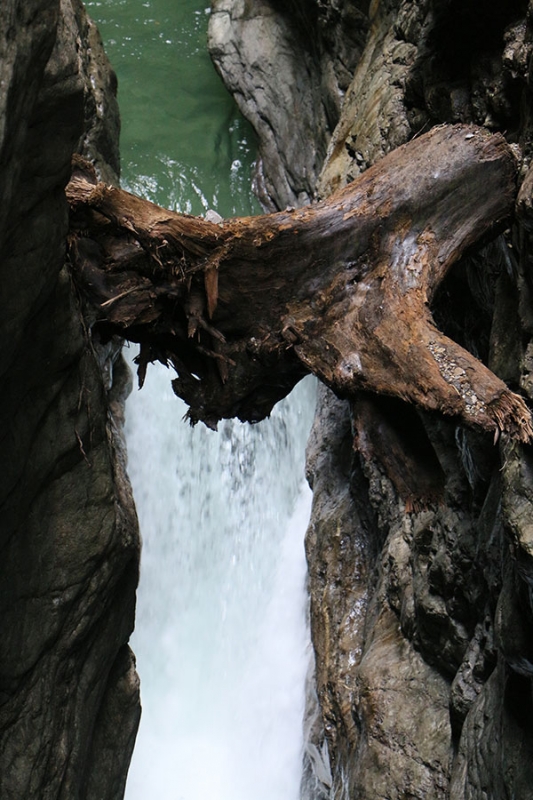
(69, 703)
(421, 612)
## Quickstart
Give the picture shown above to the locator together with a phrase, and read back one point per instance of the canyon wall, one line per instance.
(69, 704)
(420, 545)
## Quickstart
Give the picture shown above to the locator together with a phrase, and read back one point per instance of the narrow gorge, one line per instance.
(419, 548)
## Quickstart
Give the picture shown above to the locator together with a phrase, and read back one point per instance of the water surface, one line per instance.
(183, 143)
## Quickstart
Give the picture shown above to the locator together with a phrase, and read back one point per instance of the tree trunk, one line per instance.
(242, 309)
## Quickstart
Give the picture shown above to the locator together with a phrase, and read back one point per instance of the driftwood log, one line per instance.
(242, 309)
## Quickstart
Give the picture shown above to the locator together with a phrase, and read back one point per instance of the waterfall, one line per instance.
(220, 637)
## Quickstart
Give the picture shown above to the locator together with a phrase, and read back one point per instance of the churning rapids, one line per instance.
(221, 640)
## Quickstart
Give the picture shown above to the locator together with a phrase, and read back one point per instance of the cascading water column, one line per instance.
(220, 636)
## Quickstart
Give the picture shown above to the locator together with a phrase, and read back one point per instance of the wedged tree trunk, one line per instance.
(243, 308)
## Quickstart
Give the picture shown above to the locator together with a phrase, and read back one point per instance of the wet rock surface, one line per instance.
(421, 613)
(287, 69)
(69, 704)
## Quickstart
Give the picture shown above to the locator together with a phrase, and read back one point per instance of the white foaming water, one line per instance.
(221, 639)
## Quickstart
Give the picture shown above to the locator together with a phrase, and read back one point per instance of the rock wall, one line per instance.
(421, 612)
(287, 83)
(69, 705)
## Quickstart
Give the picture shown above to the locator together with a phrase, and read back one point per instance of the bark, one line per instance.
(243, 308)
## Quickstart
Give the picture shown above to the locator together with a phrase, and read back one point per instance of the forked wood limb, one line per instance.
(244, 308)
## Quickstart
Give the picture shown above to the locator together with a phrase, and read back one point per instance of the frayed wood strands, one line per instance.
(512, 416)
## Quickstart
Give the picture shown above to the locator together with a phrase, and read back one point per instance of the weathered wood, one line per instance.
(244, 308)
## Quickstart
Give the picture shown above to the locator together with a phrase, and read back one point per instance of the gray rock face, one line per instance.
(421, 612)
(69, 703)
(286, 84)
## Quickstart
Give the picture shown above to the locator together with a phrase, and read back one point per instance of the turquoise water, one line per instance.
(183, 144)
(220, 639)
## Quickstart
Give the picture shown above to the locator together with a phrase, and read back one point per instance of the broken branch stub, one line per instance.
(244, 308)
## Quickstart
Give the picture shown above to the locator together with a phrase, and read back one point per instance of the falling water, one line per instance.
(221, 641)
